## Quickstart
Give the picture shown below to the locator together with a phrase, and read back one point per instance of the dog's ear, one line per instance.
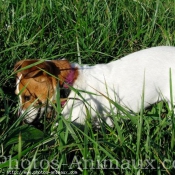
(34, 68)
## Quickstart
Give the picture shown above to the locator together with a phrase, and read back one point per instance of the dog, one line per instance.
(89, 89)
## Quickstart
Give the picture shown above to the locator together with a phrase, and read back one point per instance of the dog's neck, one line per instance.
(65, 89)
(70, 78)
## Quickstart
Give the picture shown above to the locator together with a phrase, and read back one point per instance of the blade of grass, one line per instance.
(139, 126)
(29, 169)
(172, 111)
(19, 147)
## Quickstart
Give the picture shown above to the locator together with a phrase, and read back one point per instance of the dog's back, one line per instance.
(123, 81)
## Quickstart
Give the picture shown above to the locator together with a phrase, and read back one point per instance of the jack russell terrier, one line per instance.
(89, 88)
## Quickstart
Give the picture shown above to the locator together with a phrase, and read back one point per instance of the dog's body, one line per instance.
(122, 81)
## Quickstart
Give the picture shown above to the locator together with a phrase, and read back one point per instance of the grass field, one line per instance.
(88, 32)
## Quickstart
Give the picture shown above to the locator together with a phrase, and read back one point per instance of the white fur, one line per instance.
(122, 81)
(31, 113)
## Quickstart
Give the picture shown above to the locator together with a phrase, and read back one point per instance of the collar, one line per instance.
(65, 90)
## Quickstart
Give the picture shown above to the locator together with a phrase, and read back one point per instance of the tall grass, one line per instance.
(89, 32)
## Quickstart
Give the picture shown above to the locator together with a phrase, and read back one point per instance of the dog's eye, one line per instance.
(26, 98)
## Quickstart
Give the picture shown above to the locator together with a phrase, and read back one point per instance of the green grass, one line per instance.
(88, 32)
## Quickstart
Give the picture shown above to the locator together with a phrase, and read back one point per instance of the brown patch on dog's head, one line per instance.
(57, 68)
(34, 68)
